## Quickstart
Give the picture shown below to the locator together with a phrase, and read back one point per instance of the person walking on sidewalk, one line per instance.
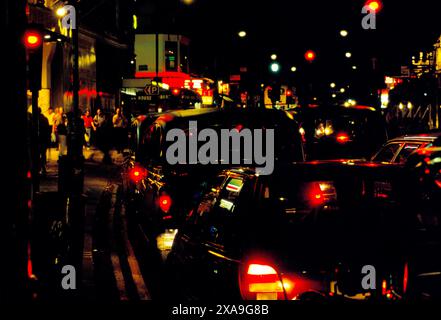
(44, 140)
(57, 120)
(88, 126)
(103, 132)
(119, 129)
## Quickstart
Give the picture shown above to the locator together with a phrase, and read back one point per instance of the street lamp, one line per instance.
(274, 56)
(348, 55)
(61, 12)
(242, 34)
(344, 33)
(333, 85)
(293, 69)
(275, 67)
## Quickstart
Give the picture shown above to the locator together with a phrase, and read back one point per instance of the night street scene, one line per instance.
(215, 156)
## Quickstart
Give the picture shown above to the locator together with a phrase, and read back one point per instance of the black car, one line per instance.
(339, 132)
(399, 149)
(159, 194)
(304, 233)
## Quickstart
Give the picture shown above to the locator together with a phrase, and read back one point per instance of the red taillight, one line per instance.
(438, 183)
(261, 281)
(165, 203)
(137, 174)
(405, 277)
(314, 195)
(342, 138)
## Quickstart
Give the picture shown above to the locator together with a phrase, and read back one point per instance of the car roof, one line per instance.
(339, 108)
(425, 137)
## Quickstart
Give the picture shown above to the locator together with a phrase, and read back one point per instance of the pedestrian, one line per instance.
(57, 120)
(62, 136)
(120, 129)
(44, 140)
(103, 134)
(88, 127)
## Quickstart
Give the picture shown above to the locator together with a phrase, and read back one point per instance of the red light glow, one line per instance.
(137, 174)
(310, 55)
(314, 195)
(374, 5)
(165, 203)
(342, 138)
(32, 39)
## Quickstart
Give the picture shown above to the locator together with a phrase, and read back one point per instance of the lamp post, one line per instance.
(71, 166)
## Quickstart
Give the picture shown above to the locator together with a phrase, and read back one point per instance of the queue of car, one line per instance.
(306, 232)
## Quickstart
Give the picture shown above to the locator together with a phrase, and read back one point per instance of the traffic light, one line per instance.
(310, 56)
(275, 67)
(33, 42)
(374, 5)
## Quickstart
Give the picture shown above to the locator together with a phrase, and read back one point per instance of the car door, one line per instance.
(187, 252)
(221, 234)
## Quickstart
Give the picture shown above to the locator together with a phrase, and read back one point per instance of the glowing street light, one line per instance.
(374, 5)
(293, 69)
(342, 90)
(274, 57)
(344, 33)
(242, 34)
(61, 12)
(333, 85)
(275, 67)
(348, 55)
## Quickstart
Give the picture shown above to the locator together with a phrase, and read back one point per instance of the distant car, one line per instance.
(159, 194)
(399, 149)
(303, 233)
(338, 132)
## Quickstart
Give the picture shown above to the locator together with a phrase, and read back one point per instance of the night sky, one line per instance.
(290, 27)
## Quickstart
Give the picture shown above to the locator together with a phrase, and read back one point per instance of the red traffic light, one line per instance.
(32, 39)
(374, 5)
(288, 93)
(310, 55)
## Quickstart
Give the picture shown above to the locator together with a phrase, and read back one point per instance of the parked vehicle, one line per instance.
(399, 149)
(304, 233)
(159, 194)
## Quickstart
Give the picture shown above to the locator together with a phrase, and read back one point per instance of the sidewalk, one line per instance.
(92, 158)
(98, 177)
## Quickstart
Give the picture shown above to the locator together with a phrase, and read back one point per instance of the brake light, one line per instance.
(261, 281)
(320, 192)
(405, 277)
(314, 195)
(438, 183)
(165, 203)
(342, 138)
(137, 174)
